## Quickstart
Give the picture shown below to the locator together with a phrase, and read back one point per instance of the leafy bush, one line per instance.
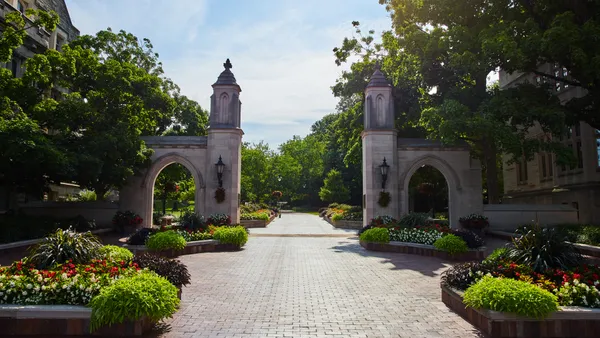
(495, 257)
(414, 219)
(512, 296)
(140, 236)
(420, 235)
(451, 244)
(191, 220)
(65, 245)
(579, 294)
(543, 249)
(143, 295)
(219, 219)
(461, 276)
(363, 229)
(167, 240)
(195, 235)
(382, 221)
(173, 270)
(580, 233)
(376, 235)
(352, 216)
(115, 253)
(86, 196)
(126, 218)
(262, 215)
(236, 235)
(474, 221)
(472, 239)
(156, 217)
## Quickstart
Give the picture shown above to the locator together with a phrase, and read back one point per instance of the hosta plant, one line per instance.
(65, 245)
(414, 219)
(166, 240)
(219, 219)
(461, 276)
(173, 270)
(143, 295)
(382, 221)
(511, 296)
(191, 236)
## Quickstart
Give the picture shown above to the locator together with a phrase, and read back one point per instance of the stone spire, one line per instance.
(226, 77)
(378, 79)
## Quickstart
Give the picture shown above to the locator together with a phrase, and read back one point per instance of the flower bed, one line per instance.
(98, 290)
(534, 284)
(257, 219)
(434, 240)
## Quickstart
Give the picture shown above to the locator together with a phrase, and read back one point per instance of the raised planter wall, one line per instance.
(507, 217)
(424, 250)
(209, 245)
(61, 320)
(571, 322)
(356, 225)
(256, 223)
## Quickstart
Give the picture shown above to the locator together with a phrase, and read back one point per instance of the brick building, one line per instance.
(541, 180)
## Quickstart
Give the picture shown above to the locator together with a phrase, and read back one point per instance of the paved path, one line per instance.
(300, 224)
(314, 287)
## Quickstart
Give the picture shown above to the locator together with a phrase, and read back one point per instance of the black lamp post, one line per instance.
(220, 167)
(384, 167)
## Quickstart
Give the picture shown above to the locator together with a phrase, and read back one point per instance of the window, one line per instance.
(572, 140)
(21, 7)
(579, 155)
(546, 166)
(522, 172)
(15, 67)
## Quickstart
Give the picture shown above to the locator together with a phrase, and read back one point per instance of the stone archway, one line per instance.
(157, 166)
(452, 180)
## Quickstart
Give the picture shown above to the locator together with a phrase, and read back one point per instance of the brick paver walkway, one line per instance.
(314, 287)
(300, 224)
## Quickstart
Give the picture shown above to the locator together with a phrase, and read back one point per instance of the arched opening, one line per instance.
(428, 192)
(174, 192)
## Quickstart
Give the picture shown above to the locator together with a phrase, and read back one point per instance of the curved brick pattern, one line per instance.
(314, 287)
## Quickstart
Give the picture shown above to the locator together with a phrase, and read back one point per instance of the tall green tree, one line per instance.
(333, 189)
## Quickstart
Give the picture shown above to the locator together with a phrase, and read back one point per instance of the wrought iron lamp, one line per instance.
(384, 167)
(220, 167)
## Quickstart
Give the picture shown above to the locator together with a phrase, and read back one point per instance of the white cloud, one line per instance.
(284, 63)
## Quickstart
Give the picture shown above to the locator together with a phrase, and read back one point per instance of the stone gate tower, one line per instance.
(225, 142)
(379, 143)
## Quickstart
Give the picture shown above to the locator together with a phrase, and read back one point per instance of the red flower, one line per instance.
(576, 276)
(595, 276)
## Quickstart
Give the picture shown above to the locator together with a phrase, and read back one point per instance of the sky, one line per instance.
(281, 50)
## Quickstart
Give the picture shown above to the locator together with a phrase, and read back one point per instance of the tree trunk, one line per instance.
(100, 191)
(490, 154)
(164, 204)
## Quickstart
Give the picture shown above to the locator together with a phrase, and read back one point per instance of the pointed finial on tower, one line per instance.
(227, 64)
(378, 64)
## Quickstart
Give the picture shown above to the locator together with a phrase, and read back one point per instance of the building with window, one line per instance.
(541, 180)
(38, 40)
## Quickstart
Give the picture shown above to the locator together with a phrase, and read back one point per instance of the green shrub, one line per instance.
(497, 255)
(337, 216)
(414, 219)
(191, 236)
(262, 216)
(166, 240)
(451, 244)
(143, 295)
(512, 296)
(376, 235)
(543, 248)
(236, 235)
(64, 245)
(461, 276)
(173, 270)
(116, 253)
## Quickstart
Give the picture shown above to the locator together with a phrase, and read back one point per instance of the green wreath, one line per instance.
(384, 199)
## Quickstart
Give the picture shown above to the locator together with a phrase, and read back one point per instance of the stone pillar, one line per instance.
(225, 141)
(379, 142)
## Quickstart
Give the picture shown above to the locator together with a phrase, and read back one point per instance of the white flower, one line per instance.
(12, 284)
(64, 286)
(29, 286)
(37, 289)
(64, 275)
(24, 293)
(40, 279)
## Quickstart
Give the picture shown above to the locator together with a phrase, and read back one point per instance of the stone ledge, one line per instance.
(61, 320)
(256, 223)
(354, 225)
(31, 242)
(424, 250)
(570, 322)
